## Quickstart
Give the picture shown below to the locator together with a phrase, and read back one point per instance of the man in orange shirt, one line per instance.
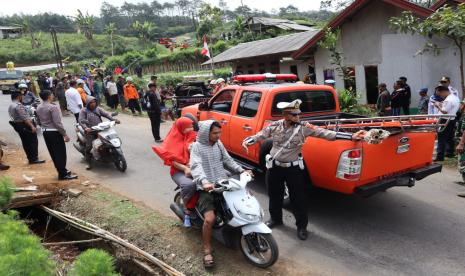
(132, 96)
(80, 89)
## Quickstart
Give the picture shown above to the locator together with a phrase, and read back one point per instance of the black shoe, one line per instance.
(37, 162)
(159, 141)
(302, 233)
(273, 224)
(68, 177)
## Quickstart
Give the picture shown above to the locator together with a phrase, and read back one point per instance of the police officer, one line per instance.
(54, 133)
(285, 163)
(22, 124)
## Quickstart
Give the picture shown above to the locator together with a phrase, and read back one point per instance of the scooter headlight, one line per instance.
(248, 217)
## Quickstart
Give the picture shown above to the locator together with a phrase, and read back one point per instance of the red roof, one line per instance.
(354, 8)
(441, 3)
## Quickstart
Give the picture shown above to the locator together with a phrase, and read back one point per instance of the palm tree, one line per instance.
(85, 23)
(239, 26)
(110, 29)
(143, 30)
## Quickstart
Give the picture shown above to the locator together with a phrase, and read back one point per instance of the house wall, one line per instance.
(269, 64)
(1, 34)
(367, 40)
(302, 67)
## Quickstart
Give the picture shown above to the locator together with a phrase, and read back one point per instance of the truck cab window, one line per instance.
(248, 105)
(312, 101)
(223, 102)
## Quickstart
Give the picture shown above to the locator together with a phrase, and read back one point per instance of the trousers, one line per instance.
(57, 149)
(296, 182)
(155, 120)
(133, 104)
(446, 140)
(28, 140)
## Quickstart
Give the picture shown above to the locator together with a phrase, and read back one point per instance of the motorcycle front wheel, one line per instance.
(120, 161)
(259, 249)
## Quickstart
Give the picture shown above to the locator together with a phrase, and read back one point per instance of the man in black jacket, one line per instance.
(153, 100)
(407, 98)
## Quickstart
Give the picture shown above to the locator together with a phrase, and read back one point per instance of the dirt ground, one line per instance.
(162, 236)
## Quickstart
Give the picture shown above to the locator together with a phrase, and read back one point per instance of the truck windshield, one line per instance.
(312, 101)
(11, 75)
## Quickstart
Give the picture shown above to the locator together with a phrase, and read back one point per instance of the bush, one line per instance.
(21, 252)
(94, 262)
(348, 102)
(130, 57)
(112, 62)
(6, 191)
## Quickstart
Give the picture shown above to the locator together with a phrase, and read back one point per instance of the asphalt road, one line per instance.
(34, 68)
(404, 231)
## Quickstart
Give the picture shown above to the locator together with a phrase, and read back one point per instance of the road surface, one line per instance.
(404, 231)
(42, 67)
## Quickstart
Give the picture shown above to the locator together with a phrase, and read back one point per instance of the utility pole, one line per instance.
(56, 48)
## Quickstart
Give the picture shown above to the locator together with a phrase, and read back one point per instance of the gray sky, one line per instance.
(93, 6)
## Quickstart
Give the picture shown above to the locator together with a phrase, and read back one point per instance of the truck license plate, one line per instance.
(403, 148)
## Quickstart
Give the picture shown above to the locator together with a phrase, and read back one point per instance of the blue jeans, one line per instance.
(396, 111)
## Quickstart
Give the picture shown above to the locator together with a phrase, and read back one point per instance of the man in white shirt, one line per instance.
(113, 92)
(73, 99)
(449, 106)
(445, 81)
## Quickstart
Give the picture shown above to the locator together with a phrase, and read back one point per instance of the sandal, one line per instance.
(210, 262)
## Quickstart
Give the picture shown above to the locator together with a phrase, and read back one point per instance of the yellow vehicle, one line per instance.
(9, 80)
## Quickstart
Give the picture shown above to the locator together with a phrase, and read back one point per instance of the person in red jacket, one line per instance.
(132, 96)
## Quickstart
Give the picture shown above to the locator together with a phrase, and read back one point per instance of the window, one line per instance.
(328, 74)
(312, 101)
(293, 70)
(349, 82)
(248, 105)
(223, 102)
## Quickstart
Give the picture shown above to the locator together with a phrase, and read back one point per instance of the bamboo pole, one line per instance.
(97, 231)
(71, 242)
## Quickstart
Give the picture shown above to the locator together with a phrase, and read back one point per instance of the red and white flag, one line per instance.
(205, 51)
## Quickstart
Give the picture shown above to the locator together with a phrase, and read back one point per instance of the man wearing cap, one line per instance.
(22, 124)
(132, 96)
(423, 103)
(445, 81)
(80, 88)
(285, 162)
(219, 84)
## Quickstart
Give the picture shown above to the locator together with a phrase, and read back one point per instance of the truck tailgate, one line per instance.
(397, 154)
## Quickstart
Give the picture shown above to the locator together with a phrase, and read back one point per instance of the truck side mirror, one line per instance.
(203, 106)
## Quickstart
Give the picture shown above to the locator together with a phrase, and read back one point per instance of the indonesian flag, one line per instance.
(205, 51)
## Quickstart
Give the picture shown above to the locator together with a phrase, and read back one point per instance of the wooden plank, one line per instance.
(30, 202)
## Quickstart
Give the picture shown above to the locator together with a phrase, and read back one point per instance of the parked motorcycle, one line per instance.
(106, 147)
(239, 221)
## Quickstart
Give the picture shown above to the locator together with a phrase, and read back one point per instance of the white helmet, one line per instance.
(80, 81)
(22, 86)
(129, 79)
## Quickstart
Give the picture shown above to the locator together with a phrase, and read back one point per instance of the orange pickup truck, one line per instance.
(349, 167)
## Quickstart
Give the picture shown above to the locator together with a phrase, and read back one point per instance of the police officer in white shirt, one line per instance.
(450, 106)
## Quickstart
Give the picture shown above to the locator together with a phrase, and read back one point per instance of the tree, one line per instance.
(85, 23)
(329, 42)
(447, 22)
(239, 26)
(26, 26)
(210, 18)
(143, 30)
(110, 29)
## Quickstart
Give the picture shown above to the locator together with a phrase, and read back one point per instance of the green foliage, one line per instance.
(210, 17)
(94, 262)
(348, 102)
(21, 252)
(219, 47)
(131, 57)
(112, 62)
(6, 191)
(151, 53)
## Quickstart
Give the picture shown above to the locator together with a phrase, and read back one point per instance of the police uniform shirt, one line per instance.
(280, 134)
(50, 117)
(17, 112)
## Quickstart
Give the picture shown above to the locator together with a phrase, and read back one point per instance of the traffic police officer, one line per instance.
(285, 163)
(54, 133)
(22, 124)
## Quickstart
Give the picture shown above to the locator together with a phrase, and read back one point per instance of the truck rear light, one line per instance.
(435, 150)
(350, 165)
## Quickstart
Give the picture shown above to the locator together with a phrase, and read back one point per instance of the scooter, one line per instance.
(239, 221)
(106, 147)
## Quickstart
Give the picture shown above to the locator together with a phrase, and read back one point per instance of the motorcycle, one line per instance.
(239, 220)
(106, 147)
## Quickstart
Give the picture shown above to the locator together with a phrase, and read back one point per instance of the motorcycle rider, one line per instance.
(208, 162)
(28, 97)
(91, 116)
